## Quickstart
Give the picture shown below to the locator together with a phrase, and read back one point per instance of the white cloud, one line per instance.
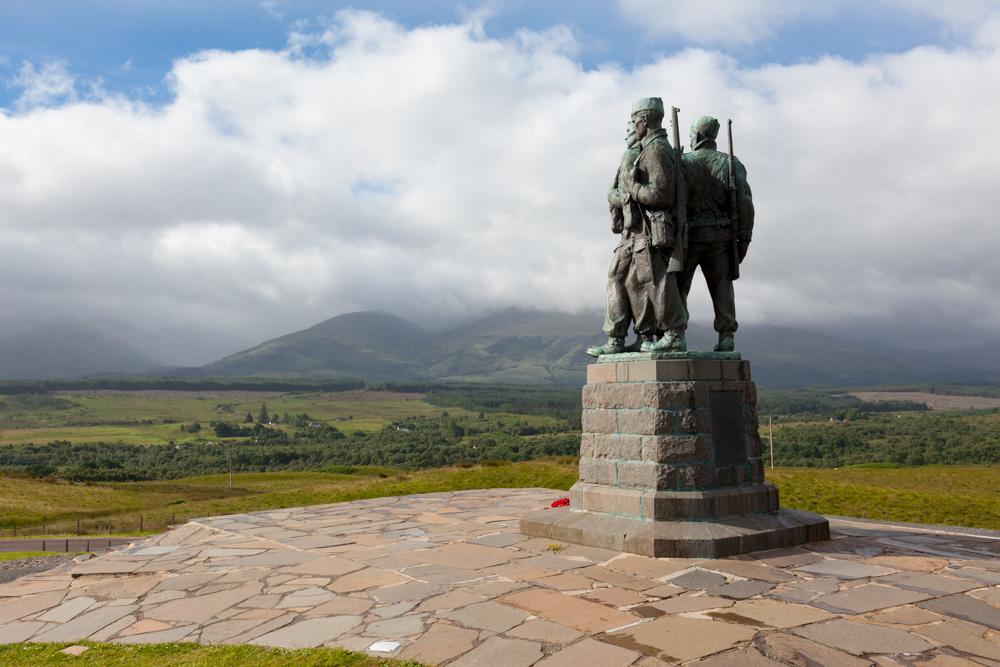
(964, 14)
(728, 23)
(732, 22)
(437, 173)
(270, 8)
(975, 19)
(51, 84)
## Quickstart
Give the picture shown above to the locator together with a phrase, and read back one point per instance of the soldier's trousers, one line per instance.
(641, 290)
(619, 313)
(713, 258)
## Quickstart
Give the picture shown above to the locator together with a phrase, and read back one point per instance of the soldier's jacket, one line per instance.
(654, 189)
(706, 172)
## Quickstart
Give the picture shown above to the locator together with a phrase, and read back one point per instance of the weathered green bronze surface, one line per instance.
(641, 290)
(676, 212)
(711, 219)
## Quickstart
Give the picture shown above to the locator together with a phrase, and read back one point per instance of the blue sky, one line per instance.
(255, 168)
(130, 46)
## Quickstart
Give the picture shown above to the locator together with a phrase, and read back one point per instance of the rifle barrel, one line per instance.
(734, 216)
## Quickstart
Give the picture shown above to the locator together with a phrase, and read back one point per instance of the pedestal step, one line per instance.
(718, 503)
(678, 539)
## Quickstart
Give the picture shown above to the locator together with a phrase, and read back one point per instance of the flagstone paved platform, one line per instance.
(446, 579)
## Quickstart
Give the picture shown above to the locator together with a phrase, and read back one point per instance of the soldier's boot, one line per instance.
(671, 341)
(640, 340)
(613, 346)
(726, 343)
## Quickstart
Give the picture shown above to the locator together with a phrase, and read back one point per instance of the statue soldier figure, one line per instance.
(711, 227)
(644, 191)
(626, 219)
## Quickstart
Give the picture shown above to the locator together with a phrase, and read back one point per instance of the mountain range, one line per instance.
(513, 346)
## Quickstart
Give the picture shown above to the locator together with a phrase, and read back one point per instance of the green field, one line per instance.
(158, 435)
(400, 443)
(85, 418)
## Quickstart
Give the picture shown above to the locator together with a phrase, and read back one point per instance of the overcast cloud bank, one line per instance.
(437, 173)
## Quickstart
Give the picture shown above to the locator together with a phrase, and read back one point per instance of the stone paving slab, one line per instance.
(741, 590)
(867, 597)
(446, 579)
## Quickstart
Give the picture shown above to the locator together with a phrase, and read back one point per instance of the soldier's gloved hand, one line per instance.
(617, 221)
(742, 248)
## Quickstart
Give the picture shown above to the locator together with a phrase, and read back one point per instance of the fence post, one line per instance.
(109, 525)
(15, 530)
(67, 545)
(173, 519)
(78, 528)
(88, 545)
(140, 523)
(43, 545)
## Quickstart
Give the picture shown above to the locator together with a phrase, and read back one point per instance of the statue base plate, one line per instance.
(678, 539)
(656, 356)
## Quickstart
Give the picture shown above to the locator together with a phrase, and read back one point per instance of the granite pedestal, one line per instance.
(670, 463)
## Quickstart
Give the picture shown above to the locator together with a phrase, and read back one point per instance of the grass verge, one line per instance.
(28, 500)
(948, 495)
(940, 495)
(189, 655)
(18, 555)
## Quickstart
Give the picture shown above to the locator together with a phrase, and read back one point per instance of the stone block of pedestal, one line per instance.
(670, 463)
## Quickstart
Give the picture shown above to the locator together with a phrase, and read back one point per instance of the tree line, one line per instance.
(413, 443)
(925, 439)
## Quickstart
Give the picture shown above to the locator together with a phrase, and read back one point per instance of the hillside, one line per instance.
(65, 347)
(784, 357)
(367, 345)
(511, 346)
(515, 346)
(518, 346)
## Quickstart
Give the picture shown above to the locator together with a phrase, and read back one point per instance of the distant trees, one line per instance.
(249, 419)
(921, 439)
(427, 442)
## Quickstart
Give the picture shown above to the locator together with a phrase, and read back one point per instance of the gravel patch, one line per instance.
(12, 569)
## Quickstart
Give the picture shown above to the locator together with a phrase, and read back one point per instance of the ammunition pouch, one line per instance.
(661, 228)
